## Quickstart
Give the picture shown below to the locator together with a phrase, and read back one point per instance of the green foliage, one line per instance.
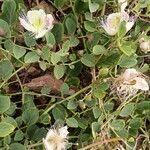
(72, 122)
(88, 60)
(6, 69)
(18, 51)
(31, 57)
(6, 129)
(9, 11)
(59, 71)
(4, 27)
(58, 31)
(66, 76)
(4, 103)
(30, 116)
(17, 146)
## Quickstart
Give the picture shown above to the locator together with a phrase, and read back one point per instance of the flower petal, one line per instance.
(48, 146)
(49, 21)
(26, 25)
(130, 74)
(111, 31)
(141, 84)
(41, 33)
(63, 132)
(33, 14)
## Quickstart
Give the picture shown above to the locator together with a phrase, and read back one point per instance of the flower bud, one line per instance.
(145, 46)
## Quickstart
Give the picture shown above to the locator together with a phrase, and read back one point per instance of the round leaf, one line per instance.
(59, 71)
(89, 26)
(30, 117)
(72, 122)
(18, 51)
(127, 110)
(118, 124)
(88, 60)
(31, 57)
(98, 49)
(6, 129)
(4, 103)
(17, 146)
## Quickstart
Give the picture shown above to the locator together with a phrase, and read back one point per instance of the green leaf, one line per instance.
(18, 51)
(118, 124)
(143, 106)
(109, 106)
(127, 110)
(95, 128)
(4, 29)
(19, 135)
(6, 69)
(93, 7)
(6, 129)
(103, 72)
(70, 24)
(90, 26)
(72, 104)
(8, 44)
(46, 89)
(59, 3)
(122, 133)
(11, 109)
(72, 122)
(97, 112)
(122, 30)
(9, 11)
(74, 41)
(31, 57)
(88, 60)
(28, 102)
(133, 132)
(4, 103)
(64, 89)
(59, 113)
(55, 58)
(80, 7)
(45, 119)
(17, 146)
(111, 59)
(99, 90)
(127, 61)
(35, 133)
(59, 71)
(29, 39)
(46, 54)
(99, 49)
(7, 139)
(127, 49)
(93, 40)
(135, 123)
(10, 120)
(82, 122)
(19, 121)
(50, 39)
(58, 31)
(43, 65)
(65, 48)
(30, 116)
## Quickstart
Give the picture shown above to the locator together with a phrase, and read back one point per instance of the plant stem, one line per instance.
(66, 99)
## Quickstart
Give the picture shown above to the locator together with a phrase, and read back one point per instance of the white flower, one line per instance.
(123, 4)
(56, 139)
(112, 23)
(144, 45)
(37, 22)
(130, 83)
